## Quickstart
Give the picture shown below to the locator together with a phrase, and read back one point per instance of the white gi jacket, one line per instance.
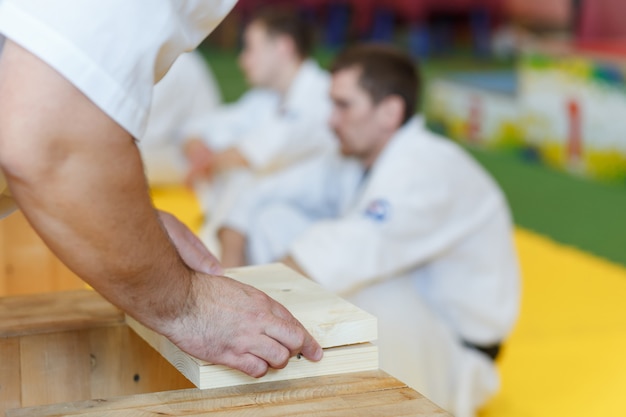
(182, 99)
(426, 230)
(272, 133)
(113, 51)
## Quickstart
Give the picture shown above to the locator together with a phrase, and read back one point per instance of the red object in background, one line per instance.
(574, 140)
(602, 20)
(547, 13)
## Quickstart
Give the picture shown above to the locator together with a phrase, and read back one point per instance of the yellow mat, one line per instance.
(567, 354)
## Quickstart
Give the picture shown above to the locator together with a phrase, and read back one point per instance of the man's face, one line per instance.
(355, 119)
(260, 56)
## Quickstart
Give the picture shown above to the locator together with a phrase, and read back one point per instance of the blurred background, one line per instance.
(535, 90)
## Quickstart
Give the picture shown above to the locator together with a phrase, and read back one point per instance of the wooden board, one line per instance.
(10, 379)
(342, 329)
(362, 394)
(56, 312)
(330, 319)
(27, 265)
(64, 365)
(72, 346)
(204, 375)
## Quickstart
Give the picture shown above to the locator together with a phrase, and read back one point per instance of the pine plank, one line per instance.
(342, 329)
(362, 394)
(27, 259)
(27, 265)
(342, 359)
(10, 382)
(3, 260)
(124, 364)
(56, 312)
(63, 278)
(54, 367)
(331, 320)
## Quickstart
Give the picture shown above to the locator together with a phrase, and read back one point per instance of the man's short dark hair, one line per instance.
(385, 71)
(285, 22)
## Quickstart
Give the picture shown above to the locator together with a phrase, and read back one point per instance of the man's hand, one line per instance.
(253, 332)
(189, 247)
(201, 161)
(236, 325)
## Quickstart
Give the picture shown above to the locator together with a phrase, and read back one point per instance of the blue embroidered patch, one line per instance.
(378, 210)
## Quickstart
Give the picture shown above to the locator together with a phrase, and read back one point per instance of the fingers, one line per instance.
(267, 353)
(293, 336)
(246, 329)
(249, 364)
(189, 246)
(311, 349)
(207, 262)
(270, 351)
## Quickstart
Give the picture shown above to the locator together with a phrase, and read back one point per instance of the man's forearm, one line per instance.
(78, 177)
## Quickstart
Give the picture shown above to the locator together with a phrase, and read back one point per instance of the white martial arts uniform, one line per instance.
(272, 134)
(114, 51)
(423, 241)
(182, 99)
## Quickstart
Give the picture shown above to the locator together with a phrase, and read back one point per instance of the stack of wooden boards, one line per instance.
(344, 331)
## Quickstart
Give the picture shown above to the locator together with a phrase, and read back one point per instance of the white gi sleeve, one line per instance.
(224, 127)
(283, 139)
(113, 51)
(304, 185)
(383, 236)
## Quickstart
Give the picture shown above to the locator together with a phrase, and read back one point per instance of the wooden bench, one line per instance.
(65, 353)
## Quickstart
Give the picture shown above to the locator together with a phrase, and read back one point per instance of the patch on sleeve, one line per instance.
(378, 210)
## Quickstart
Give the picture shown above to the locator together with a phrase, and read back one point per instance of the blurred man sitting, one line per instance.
(281, 121)
(180, 101)
(402, 223)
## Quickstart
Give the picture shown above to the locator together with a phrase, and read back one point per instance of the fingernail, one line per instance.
(319, 354)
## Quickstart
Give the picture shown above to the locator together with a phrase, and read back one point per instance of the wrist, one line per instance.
(167, 299)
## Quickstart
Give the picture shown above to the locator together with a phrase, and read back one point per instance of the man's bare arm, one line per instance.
(78, 177)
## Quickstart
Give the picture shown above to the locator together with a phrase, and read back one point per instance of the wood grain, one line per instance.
(361, 394)
(123, 364)
(74, 346)
(55, 312)
(3, 260)
(342, 359)
(54, 368)
(330, 319)
(342, 329)
(27, 266)
(10, 378)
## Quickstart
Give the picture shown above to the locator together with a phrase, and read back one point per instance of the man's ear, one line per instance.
(392, 109)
